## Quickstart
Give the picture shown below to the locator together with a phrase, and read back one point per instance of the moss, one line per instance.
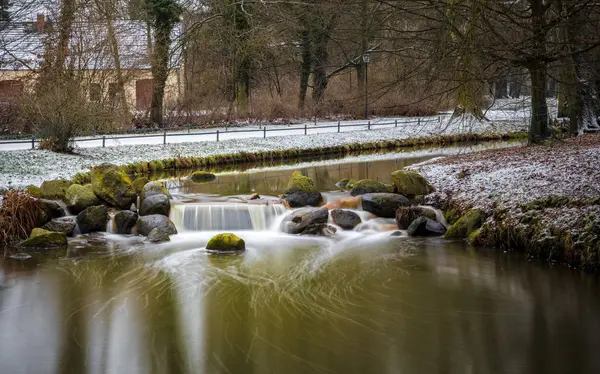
(452, 215)
(410, 183)
(55, 189)
(343, 183)
(82, 178)
(79, 197)
(300, 183)
(113, 185)
(40, 238)
(201, 176)
(226, 242)
(153, 188)
(139, 183)
(34, 191)
(370, 186)
(466, 225)
(474, 238)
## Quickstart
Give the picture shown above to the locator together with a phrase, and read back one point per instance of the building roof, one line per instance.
(22, 46)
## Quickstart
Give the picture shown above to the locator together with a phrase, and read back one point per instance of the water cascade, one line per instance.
(225, 216)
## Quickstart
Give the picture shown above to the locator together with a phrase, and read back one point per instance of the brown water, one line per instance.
(360, 302)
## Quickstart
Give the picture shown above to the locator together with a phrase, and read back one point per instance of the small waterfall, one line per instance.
(110, 225)
(225, 216)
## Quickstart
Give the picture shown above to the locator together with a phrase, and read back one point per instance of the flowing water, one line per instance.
(358, 302)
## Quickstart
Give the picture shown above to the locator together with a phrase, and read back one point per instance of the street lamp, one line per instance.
(366, 59)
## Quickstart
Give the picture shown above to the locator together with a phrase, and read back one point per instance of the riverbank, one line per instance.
(32, 167)
(544, 200)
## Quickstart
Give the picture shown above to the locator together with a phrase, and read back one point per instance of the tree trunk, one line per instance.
(538, 128)
(160, 71)
(501, 88)
(321, 59)
(304, 67)
(108, 10)
(67, 16)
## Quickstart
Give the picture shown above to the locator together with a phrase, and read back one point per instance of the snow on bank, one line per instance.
(21, 168)
(518, 175)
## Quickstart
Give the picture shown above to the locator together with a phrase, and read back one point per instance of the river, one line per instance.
(359, 302)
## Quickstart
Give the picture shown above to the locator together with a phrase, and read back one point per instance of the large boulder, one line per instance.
(113, 185)
(80, 197)
(424, 226)
(370, 186)
(125, 221)
(139, 183)
(383, 204)
(93, 219)
(55, 189)
(307, 221)
(153, 189)
(466, 225)
(146, 224)
(65, 225)
(202, 176)
(45, 239)
(410, 183)
(226, 242)
(301, 192)
(346, 219)
(157, 204)
(158, 236)
(405, 215)
(53, 209)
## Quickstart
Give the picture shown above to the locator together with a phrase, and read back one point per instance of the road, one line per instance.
(192, 136)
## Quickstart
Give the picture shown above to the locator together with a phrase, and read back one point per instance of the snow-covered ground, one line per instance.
(24, 167)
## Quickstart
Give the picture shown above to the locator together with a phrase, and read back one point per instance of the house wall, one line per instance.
(103, 78)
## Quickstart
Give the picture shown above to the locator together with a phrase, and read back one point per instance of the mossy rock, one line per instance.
(468, 223)
(82, 178)
(202, 176)
(301, 191)
(111, 184)
(34, 191)
(405, 215)
(366, 186)
(152, 189)
(475, 238)
(41, 238)
(451, 216)
(343, 183)
(139, 183)
(55, 189)
(410, 183)
(226, 242)
(79, 197)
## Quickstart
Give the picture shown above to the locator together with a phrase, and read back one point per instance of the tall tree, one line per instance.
(5, 10)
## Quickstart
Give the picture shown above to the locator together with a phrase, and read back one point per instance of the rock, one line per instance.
(298, 221)
(405, 215)
(254, 196)
(410, 183)
(466, 224)
(350, 184)
(383, 204)
(125, 220)
(80, 197)
(146, 224)
(153, 189)
(34, 191)
(93, 219)
(158, 236)
(226, 242)
(345, 219)
(370, 186)
(65, 225)
(157, 204)
(111, 184)
(139, 183)
(424, 226)
(41, 238)
(53, 209)
(301, 192)
(202, 177)
(343, 183)
(55, 189)
(133, 208)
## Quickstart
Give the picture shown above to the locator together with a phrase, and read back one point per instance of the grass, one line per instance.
(18, 216)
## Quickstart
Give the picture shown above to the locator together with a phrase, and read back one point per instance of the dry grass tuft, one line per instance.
(19, 214)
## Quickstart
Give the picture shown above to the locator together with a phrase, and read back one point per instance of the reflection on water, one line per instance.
(358, 305)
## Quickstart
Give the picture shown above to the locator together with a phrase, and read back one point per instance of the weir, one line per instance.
(225, 216)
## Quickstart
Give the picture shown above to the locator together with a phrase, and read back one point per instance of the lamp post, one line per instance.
(366, 59)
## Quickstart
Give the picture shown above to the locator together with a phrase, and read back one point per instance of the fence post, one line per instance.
(265, 132)
(396, 123)
(305, 129)
(103, 141)
(418, 122)
(369, 125)
(33, 142)
(338, 126)
(165, 137)
(217, 135)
